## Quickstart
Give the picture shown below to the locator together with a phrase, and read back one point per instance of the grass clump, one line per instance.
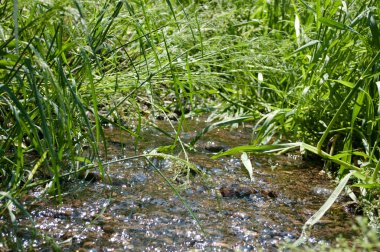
(366, 239)
(327, 93)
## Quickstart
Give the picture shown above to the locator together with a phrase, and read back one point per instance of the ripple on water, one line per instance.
(140, 211)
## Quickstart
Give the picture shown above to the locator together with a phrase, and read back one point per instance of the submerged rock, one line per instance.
(107, 179)
(212, 146)
(139, 178)
(241, 191)
(237, 190)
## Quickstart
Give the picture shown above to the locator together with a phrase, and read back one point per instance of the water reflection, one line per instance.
(139, 211)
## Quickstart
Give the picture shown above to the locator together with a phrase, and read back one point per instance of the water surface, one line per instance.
(138, 210)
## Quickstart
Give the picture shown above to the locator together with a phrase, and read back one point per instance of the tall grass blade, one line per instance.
(332, 23)
(184, 202)
(321, 212)
(219, 124)
(307, 45)
(247, 164)
(169, 3)
(346, 100)
(16, 26)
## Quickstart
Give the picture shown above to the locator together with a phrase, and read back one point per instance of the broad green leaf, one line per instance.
(319, 214)
(83, 159)
(265, 149)
(220, 124)
(6, 63)
(367, 186)
(356, 153)
(373, 25)
(310, 43)
(297, 26)
(282, 148)
(378, 90)
(167, 149)
(346, 83)
(172, 11)
(36, 166)
(16, 204)
(332, 23)
(247, 164)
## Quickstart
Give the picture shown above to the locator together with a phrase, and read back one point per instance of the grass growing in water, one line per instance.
(305, 71)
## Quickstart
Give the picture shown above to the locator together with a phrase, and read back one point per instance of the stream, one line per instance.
(137, 210)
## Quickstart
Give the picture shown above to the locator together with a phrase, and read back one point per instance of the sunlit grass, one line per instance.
(305, 72)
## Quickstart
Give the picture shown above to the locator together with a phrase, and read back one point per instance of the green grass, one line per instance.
(366, 239)
(305, 72)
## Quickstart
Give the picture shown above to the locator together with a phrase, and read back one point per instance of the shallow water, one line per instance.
(138, 210)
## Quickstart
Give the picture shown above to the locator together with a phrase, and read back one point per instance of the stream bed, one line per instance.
(138, 210)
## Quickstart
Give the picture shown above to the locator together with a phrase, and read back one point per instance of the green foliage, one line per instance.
(307, 72)
(328, 97)
(366, 239)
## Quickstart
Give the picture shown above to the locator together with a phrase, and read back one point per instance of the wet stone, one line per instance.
(159, 163)
(236, 190)
(189, 191)
(322, 191)
(269, 193)
(93, 176)
(138, 178)
(212, 146)
(109, 228)
(159, 202)
(125, 208)
(200, 189)
(88, 244)
(82, 250)
(216, 171)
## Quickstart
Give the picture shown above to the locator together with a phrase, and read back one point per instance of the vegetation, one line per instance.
(366, 240)
(306, 72)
